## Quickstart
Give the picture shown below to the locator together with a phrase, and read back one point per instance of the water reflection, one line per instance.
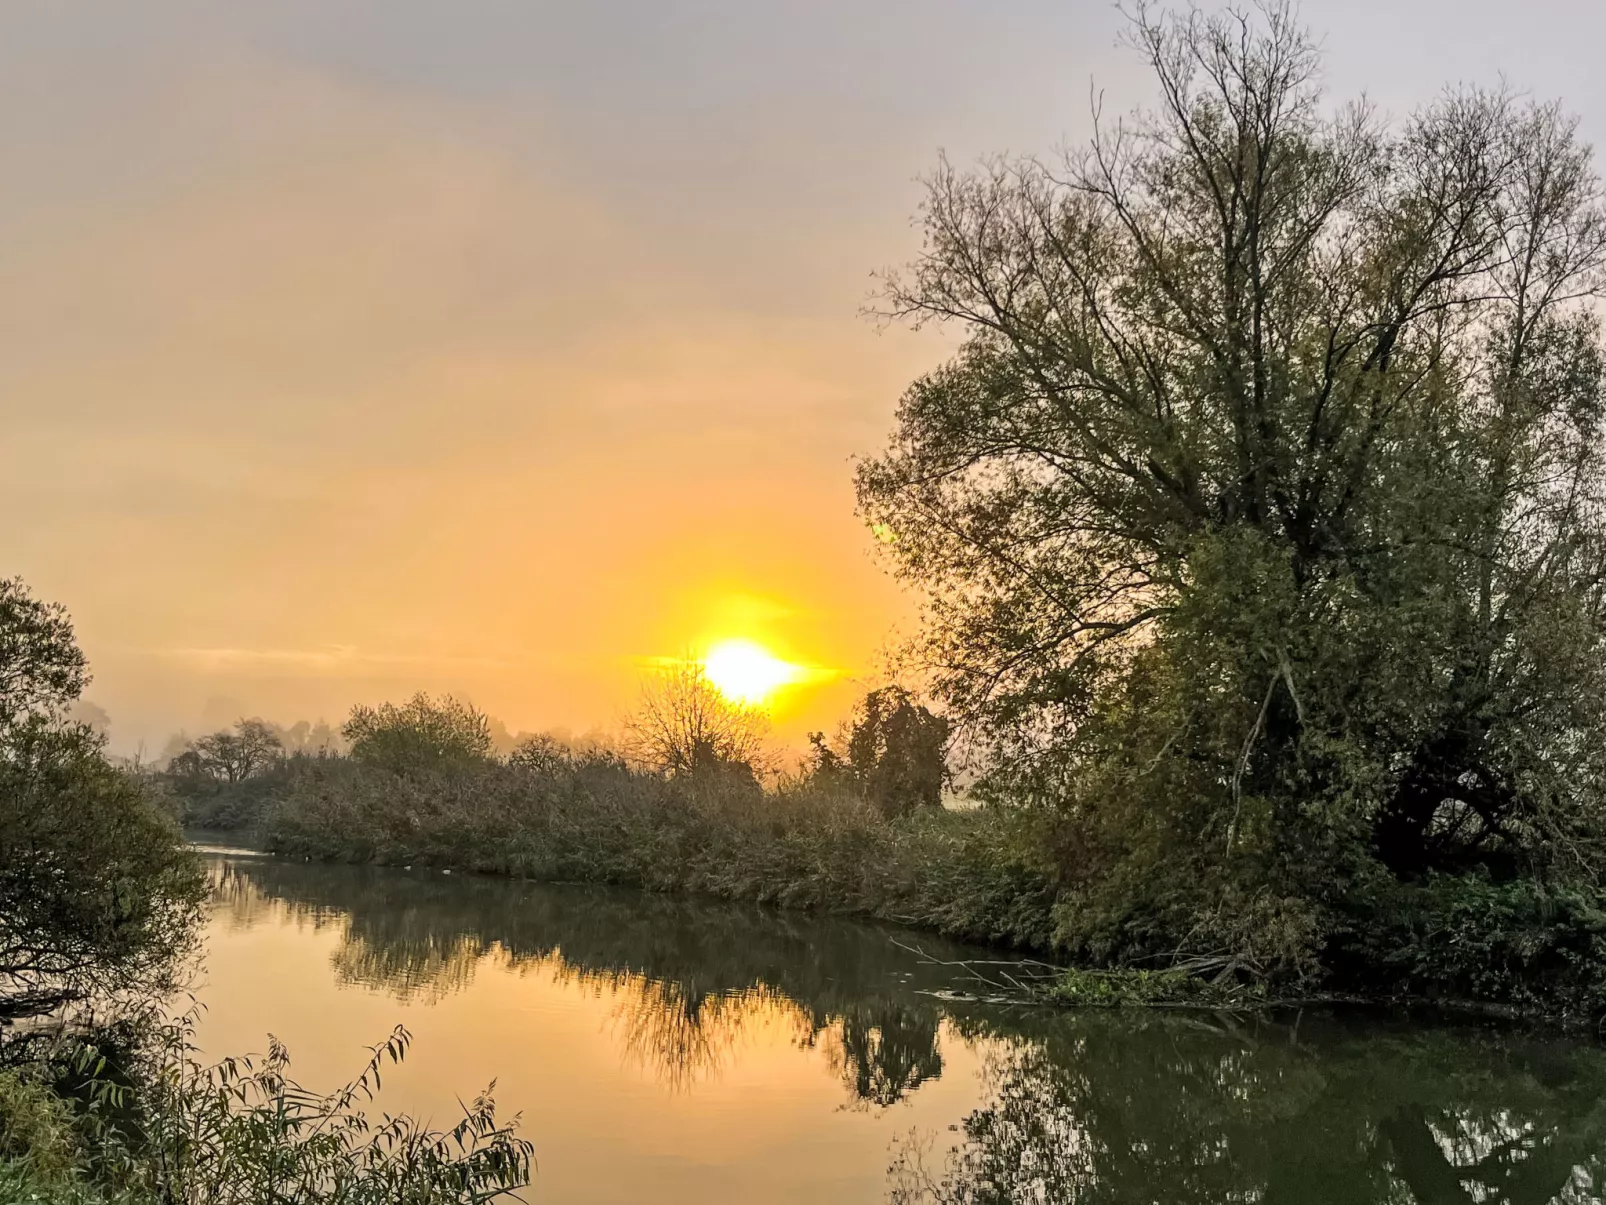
(688, 977)
(1116, 1108)
(1075, 1108)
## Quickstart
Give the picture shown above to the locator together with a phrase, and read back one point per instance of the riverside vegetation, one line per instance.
(1262, 523)
(985, 874)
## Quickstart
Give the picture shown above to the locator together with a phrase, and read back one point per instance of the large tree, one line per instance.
(1261, 507)
(232, 757)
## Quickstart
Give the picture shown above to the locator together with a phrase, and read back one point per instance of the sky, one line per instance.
(500, 347)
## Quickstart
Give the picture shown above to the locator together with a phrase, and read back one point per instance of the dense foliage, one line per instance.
(42, 670)
(894, 751)
(421, 734)
(1262, 510)
(97, 892)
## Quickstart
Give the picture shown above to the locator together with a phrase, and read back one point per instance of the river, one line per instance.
(678, 1051)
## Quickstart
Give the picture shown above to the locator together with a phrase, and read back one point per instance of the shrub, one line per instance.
(243, 1131)
(557, 817)
(1533, 945)
(1149, 989)
(36, 1128)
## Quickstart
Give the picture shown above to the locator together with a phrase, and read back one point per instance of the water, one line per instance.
(683, 1051)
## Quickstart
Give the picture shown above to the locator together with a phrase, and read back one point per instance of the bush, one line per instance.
(421, 735)
(241, 806)
(1538, 947)
(36, 1128)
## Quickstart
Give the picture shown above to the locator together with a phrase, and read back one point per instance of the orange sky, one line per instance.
(354, 348)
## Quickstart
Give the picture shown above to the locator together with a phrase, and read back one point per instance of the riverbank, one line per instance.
(971, 875)
(1001, 877)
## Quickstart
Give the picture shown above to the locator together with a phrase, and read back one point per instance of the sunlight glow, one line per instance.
(745, 672)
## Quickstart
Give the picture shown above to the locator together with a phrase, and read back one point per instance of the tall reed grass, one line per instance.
(971, 875)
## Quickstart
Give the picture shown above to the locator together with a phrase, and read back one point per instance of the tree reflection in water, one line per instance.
(1078, 1107)
(885, 1053)
(688, 977)
(1131, 1108)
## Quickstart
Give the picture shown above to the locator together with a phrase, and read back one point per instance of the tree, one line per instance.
(421, 735)
(684, 725)
(233, 757)
(1261, 510)
(894, 751)
(97, 889)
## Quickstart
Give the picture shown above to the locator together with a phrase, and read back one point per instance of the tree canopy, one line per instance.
(1261, 509)
(42, 670)
(230, 757)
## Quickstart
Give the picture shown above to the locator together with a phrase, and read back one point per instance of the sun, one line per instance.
(746, 672)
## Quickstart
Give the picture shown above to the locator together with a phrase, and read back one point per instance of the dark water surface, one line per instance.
(683, 1051)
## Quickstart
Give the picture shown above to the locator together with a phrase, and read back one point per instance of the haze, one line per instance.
(500, 348)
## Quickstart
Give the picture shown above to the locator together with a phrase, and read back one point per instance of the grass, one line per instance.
(1127, 988)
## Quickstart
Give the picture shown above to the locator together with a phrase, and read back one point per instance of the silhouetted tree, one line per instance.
(893, 750)
(42, 670)
(97, 890)
(683, 725)
(896, 751)
(232, 757)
